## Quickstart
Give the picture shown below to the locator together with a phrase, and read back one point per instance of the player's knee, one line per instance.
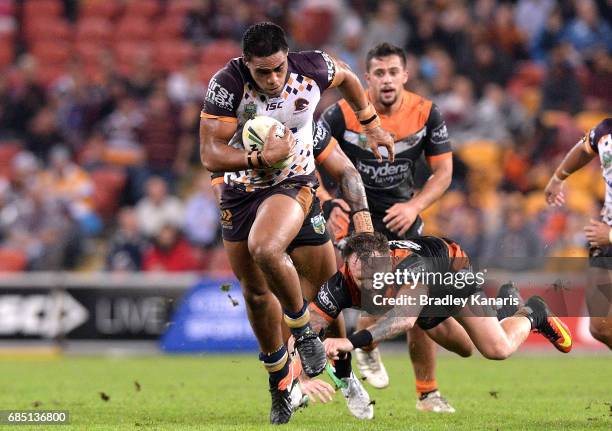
(465, 351)
(496, 351)
(265, 254)
(255, 300)
(601, 331)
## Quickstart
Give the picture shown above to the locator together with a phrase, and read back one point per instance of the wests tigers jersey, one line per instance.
(233, 96)
(417, 127)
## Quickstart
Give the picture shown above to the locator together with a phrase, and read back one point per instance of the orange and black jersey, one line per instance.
(417, 127)
(427, 253)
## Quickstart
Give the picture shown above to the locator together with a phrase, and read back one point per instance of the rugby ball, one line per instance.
(254, 135)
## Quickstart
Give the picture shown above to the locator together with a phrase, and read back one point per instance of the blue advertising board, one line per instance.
(210, 319)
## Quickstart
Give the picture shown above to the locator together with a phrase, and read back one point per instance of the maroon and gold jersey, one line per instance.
(233, 96)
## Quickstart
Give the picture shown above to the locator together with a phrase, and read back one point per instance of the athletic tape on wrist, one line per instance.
(361, 339)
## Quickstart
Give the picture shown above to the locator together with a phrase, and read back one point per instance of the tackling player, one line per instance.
(417, 128)
(455, 327)
(262, 208)
(596, 142)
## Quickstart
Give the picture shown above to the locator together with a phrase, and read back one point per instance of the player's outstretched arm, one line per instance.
(352, 90)
(577, 157)
(344, 173)
(395, 322)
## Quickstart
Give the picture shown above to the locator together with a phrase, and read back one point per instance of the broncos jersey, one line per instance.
(598, 140)
(417, 127)
(233, 96)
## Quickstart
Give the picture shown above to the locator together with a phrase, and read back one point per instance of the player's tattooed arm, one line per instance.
(391, 324)
(342, 170)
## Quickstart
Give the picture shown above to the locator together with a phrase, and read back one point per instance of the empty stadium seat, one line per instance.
(94, 30)
(8, 150)
(48, 8)
(41, 27)
(106, 9)
(170, 27)
(52, 52)
(172, 55)
(142, 8)
(220, 52)
(7, 52)
(12, 260)
(133, 28)
(181, 7)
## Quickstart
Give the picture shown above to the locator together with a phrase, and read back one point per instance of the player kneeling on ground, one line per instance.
(456, 327)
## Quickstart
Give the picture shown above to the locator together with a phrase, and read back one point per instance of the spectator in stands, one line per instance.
(44, 231)
(167, 155)
(42, 133)
(158, 209)
(548, 37)
(73, 188)
(531, 16)
(517, 245)
(387, 25)
(171, 252)
(202, 215)
(588, 31)
(561, 89)
(185, 85)
(127, 246)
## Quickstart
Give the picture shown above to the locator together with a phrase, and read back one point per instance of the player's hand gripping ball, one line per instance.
(254, 136)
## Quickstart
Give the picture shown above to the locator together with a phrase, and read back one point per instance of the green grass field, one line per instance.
(229, 392)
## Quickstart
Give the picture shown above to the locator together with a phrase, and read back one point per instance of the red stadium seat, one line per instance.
(134, 28)
(7, 52)
(52, 52)
(170, 27)
(43, 27)
(48, 8)
(142, 8)
(207, 70)
(8, 150)
(12, 260)
(89, 52)
(48, 74)
(220, 51)
(108, 184)
(313, 26)
(173, 54)
(94, 29)
(106, 9)
(181, 7)
(128, 52)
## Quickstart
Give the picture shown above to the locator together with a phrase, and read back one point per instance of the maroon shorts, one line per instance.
(239, 208)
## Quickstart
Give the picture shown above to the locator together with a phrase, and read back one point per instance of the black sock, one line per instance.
(343, 366)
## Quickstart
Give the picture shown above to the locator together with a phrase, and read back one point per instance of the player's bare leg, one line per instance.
(599, 304)
(422, 351)
(279, 219)
(316, 265)
(369, 361)
(265, 316)
(498, 340)
(453, 337)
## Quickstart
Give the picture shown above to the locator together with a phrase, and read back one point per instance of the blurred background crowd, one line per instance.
(100, 102)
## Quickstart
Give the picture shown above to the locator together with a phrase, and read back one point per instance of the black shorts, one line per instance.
(415, 230)
(601, 257)
(239, 208)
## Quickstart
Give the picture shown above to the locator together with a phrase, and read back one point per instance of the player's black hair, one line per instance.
(263, 39)
(365, 244)
(385, 49)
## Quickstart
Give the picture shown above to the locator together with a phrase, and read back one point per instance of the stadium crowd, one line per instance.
(100, 102)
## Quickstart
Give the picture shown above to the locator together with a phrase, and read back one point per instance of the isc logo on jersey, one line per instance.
(256, 130)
